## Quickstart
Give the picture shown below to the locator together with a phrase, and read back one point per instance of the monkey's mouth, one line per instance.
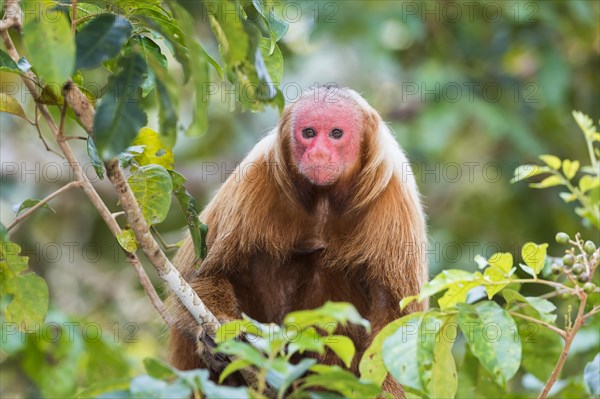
(322, 174)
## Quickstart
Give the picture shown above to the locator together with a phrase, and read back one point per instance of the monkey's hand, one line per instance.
(206, 350)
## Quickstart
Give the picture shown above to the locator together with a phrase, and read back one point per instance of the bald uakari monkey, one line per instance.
(324, 208)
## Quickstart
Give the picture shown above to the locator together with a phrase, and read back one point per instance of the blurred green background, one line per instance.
(471, 89)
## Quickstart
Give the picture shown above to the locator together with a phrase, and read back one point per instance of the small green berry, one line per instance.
(562, 238)
(589, 287)
(582, 278)
(578, 268)
(589, 247)
(568, 260)
(579, 258)
(556, 269)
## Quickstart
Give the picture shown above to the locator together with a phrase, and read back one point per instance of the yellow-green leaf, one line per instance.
(550, 181)
(587, 182)
(457, 293)
(570, 168)
(11, 105)
(551, 160)
(534, 255)
(406, 300)
(502, 260)
(50, 43)
(152, 187)
(127, 240)
(523, 172)
(155, 151)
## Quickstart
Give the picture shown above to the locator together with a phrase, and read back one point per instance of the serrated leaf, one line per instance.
(101, 39)
(549, 181)
(10, 105)
(29, 203)
(119, 115)
(500, 356)
(551, 160)
(152, 187)
(155, 151)
(534, 255)
(50, 44)
(570, 168)
(127, 241)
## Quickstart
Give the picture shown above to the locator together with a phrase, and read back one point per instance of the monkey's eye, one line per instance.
(336, 133)
(309, 133)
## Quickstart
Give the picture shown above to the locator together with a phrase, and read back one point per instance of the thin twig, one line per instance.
(162, 241)
(579, 319)
(557, 330)
(595, 309)
(43, 202)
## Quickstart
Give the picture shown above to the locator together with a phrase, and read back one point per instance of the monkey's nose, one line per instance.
(319, 156)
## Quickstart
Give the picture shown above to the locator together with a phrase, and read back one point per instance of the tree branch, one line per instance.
(12, 18)
(557, 330)
(579, 319)
(43, 202)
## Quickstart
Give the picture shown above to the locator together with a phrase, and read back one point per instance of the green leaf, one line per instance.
(7, 64)
(200, 60)
(407, 300)
(446, 279)
(3, 233)
(198, 230)
(524, 172)
(97, 163)
(145, 386)
(127, 241)
(10, 105)
(489, 331)
(591, 376)
(29, 203)
(152, 187)
(243, 351)
(29, 303)
(282, 374)
(343, 347)
(331, 313)
(549, 181)
(585, 124)
(155, 151)
(528, 270)
(336, 379)
(551, 160)
(539, 307)
(159, 369)
(570, 168)
(119, 116)
(167, 115)
(101, 39)
(587, 183)
(200, 380)
(457, 293)
(50, 44)
(233, 367)
(419, 355)
(501, 260)
(277, 27)
(371, 365)
(534, 256)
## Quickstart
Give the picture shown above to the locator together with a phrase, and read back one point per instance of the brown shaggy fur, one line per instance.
(278, 243)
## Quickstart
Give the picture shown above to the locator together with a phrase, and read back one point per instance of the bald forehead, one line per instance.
(327, 108)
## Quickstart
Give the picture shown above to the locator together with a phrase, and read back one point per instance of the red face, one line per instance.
(326, 138)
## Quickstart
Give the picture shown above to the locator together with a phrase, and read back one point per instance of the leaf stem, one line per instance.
(549, 326)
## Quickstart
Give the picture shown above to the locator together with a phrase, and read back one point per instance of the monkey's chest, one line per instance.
(269, 289)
